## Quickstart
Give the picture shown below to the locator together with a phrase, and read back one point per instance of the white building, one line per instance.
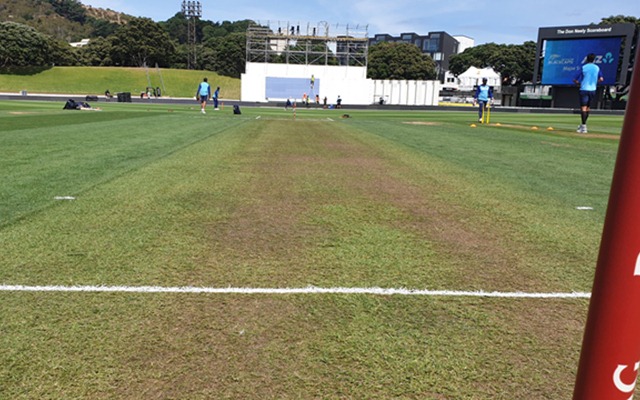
(464, 42)
(81, 43)
(263, 82)
(309, 74)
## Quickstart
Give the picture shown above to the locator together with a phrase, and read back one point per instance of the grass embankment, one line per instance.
(95, 80)
(169, 197)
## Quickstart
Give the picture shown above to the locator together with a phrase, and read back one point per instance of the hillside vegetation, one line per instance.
(95, 80)
(67, 21)
(42, 17)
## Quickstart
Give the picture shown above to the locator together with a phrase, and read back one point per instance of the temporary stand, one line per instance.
(322, 44)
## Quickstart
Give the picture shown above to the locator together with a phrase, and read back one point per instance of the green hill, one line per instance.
(95, 80)
(67, 21)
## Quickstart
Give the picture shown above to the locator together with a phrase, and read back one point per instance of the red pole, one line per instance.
(610, 356)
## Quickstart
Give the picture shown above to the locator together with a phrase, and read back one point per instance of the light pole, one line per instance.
(192, 10)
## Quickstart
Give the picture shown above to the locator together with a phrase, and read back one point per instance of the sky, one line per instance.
(497, 21)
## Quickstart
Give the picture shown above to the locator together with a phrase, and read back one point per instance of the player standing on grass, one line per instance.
(484, 94)
(216, 95)
(588, 78)
(203, 94)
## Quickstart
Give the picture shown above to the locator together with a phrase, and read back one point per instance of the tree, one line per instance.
(228, 54)
(101, 27)
(142, 42)
(70, 9)
(97, 53)
(213, 31)
(22, 45)
(389, 60)
(61, 53)
(621, 19)
(513, 62)
(176, 27)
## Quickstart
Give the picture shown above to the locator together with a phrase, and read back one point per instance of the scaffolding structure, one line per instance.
(192, 10)
(320, 44)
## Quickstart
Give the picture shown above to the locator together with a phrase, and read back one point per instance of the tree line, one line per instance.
(221, 47)
(137, 43)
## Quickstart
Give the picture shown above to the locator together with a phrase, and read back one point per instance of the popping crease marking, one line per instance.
(302, 290)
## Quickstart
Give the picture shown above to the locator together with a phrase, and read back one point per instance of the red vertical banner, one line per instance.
(610, 357)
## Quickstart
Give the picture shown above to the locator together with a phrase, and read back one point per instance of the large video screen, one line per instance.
(563, 59)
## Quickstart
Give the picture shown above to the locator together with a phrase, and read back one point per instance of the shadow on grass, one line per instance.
(24, 70)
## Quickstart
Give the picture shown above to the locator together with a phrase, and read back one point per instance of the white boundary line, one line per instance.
(305, 290)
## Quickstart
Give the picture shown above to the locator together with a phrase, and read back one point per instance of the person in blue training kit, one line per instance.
(216, 95)
(588, 78)
(484, 94)
(203, 94)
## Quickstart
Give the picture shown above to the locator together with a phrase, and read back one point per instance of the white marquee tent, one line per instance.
(473, 76)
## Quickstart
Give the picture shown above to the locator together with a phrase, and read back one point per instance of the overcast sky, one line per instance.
(498, 21)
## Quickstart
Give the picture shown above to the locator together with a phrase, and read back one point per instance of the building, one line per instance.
(439, 45)
(464, 42)
(81, 43)
(290, 62)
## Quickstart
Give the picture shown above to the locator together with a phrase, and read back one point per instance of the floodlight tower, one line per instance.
(192, 10)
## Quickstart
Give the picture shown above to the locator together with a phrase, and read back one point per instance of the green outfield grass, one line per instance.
(165, 196)
(95, 80)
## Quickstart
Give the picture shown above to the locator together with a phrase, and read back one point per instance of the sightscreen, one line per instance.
(294, 88)
(563, 59)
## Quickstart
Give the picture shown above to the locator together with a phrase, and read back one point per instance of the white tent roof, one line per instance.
(479, 73)
(473, 76)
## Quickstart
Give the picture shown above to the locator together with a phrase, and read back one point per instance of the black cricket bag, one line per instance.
(71, 105)
(236, 109)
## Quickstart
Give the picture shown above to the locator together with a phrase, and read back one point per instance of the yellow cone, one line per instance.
(473, 125)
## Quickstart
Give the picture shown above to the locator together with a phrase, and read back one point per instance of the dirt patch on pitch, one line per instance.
(425, 123)
(291, 175)
(598, 136)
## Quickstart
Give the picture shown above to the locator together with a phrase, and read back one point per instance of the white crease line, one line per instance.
(305, 290)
